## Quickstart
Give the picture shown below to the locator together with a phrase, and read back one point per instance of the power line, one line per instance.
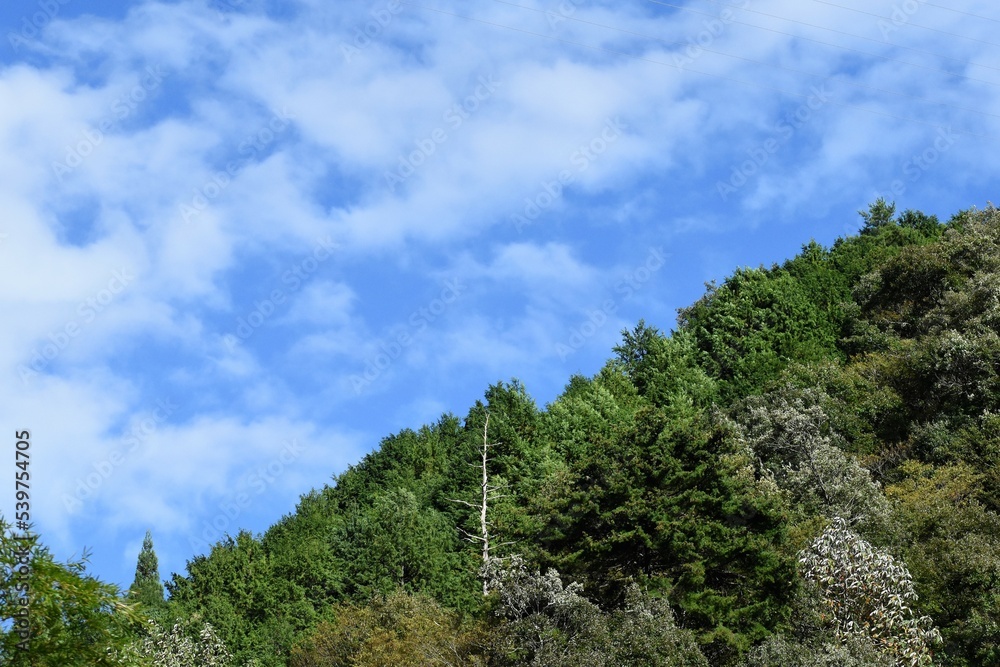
(758, 62)
(847, 48)
(889, 18)
(685, 69)
(959, 11)
(914, 25)
(867, 39)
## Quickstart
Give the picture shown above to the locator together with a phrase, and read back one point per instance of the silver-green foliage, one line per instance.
(781, 651)
(180, 646)
(544, 623)
(789, 435)
(868, 596)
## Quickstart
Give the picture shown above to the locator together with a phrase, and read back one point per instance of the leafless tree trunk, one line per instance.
(489, 493)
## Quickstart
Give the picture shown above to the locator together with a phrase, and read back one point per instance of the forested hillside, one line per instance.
(804, 471)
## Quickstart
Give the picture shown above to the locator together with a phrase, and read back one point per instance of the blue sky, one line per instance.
(244, 240)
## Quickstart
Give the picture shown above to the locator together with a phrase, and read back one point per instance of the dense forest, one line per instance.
(802, 472)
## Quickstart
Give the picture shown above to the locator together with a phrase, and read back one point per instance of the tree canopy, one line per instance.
(804, 470)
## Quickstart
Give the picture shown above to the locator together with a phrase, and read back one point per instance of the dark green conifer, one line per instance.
(147, 589)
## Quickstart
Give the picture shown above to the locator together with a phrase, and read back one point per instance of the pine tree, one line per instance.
(147, 588)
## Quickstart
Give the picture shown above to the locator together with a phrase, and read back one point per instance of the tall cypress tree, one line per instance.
(147, 588)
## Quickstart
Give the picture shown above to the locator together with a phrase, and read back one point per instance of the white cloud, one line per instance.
(539, 107)
(322, 302)
(541, 267)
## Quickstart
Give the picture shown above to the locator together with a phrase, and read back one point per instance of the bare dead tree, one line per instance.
(489, 493)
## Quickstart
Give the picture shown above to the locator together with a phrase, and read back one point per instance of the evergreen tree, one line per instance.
(147, 588)
(859, 383)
